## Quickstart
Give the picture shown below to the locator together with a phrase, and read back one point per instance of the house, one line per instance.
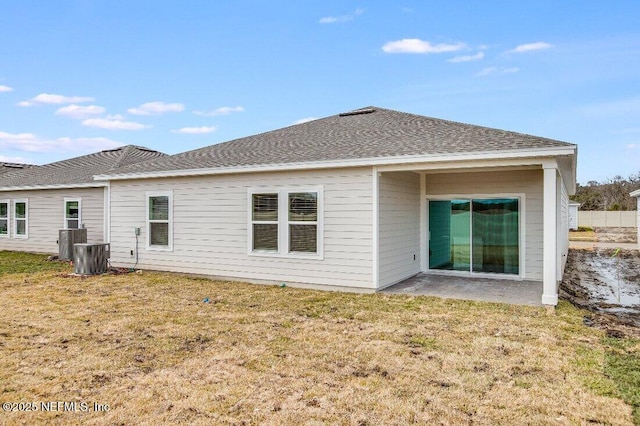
(573, 215)
(359, 200)
(35, 202)
(636, 194)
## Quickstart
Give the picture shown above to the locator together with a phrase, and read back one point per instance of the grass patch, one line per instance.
(150, 347)
(622, 365)
(14, 262)
(583, 234)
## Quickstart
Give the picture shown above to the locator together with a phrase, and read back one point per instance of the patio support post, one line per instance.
(550, 233)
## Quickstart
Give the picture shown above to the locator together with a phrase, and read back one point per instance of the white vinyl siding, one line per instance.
(5, 218)
(211, 227)
(563, 228)
(21, 218)
(526, 182)
(46, 212)
(399, 221)
(72, 213)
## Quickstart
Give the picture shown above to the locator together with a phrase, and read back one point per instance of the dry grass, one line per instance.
(583, 235)
(151, 348)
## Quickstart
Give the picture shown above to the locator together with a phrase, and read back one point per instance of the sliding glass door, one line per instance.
(475, 235)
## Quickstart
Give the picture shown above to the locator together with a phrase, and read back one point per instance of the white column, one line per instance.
(375, 240)
(424, 248)
(550, 233)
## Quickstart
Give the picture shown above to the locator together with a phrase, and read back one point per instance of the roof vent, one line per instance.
(357, 112)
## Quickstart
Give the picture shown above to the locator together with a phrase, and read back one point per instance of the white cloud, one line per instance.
(113, 124)
(195, 130)
(50, 99)
(415, 45)
(633, 145)
(467, 58)
(497, 71)
(305, 120)
(530, 47)
(5, 89)
(342, 18)
(225, 110)
(28, 142)
(156, 108)
(79, 112)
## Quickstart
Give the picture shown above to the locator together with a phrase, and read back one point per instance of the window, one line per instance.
(286, 223)
(21, 219)
(303, 222)
(4, 218)
(264, 221)
(476, 235)
(159, 221)
(72, 219)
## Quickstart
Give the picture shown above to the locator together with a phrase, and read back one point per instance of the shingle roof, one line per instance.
(79, 170)
(369, 132)
(9, 167)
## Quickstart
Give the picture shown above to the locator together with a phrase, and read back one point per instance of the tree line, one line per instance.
(613, 194)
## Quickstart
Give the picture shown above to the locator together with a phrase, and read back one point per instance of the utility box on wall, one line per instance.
(67, 238)
(91, 259)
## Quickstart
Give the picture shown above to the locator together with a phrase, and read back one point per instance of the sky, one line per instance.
(79, 76)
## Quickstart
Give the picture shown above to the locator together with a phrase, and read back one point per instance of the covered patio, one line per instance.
(516, 292)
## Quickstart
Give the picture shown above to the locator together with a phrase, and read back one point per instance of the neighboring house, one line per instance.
(573, 215)
(36, 202)
(636, 194)
(359, 200)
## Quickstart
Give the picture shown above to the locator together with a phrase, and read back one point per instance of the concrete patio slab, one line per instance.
(467, 288)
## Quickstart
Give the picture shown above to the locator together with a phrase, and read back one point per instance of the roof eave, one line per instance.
(54, 186)
(361, 162)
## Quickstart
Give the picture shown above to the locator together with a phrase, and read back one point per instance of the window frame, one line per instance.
(283, 222)
(264, 222)
(8, 218)
(65, 219)
(522, 232)
(169, 221)
(15, 234)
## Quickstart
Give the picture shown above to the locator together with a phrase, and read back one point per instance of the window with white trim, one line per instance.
(264, 221)
(21, 219)
(4, 218)
(72, 218)
(286, 222)
(303, 222)
(160, 220)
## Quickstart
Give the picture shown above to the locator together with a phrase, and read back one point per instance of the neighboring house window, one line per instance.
(286, 222)
(4, 218)
(21, 219)
(72, 217)
(264, 221)
(160, 220)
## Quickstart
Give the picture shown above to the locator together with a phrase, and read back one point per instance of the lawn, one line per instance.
(162, 348)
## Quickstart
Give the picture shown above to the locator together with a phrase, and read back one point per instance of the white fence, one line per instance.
(602, 219)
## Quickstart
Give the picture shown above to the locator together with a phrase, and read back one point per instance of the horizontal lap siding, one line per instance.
(399, 219)
(46, 217)
(528, 182)
(210, 236)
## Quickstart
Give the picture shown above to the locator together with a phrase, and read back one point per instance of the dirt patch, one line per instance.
(616, 235)
(606, 282)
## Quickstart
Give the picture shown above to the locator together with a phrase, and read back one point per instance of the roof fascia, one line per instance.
(56, 186)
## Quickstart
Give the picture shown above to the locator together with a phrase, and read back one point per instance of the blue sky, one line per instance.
(81, 76)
